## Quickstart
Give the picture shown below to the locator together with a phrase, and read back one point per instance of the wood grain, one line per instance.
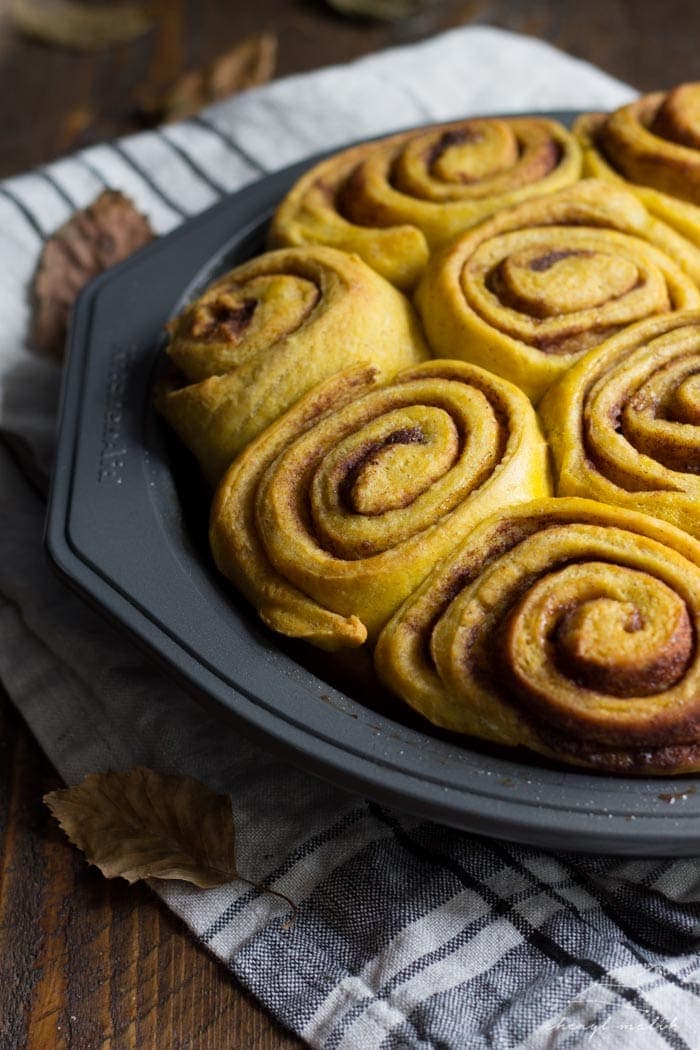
(59, 100)
(86, 962)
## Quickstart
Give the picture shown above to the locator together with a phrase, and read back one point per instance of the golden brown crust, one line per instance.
(655, 141)
(530, 290)
(394, 200)
(565, 626)
(624, 423)
(328, 523)
(261, 336)
(650, 148)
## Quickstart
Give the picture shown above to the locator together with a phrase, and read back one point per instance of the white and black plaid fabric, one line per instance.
(408, 935)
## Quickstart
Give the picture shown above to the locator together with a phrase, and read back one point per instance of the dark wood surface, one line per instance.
(87, 963)
(55, 100)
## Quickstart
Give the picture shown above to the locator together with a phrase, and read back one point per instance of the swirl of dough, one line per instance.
(527, 292)
(653, 147)
(336, 512)
(565, 626)
(261, 336)
(394, 200)
(624, 423)
(653, 141)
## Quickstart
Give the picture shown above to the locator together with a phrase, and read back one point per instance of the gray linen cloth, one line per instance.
(408, 934)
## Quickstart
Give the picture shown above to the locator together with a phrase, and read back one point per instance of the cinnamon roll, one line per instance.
(530, 290)
(653, 144)
(654, 141)
(395, 199)
(261, 336)
(624, 423)
(333, 515)
(564, 626)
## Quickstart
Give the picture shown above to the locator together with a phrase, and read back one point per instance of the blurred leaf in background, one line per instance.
(384, 10)
(82, 26)
(250, 63)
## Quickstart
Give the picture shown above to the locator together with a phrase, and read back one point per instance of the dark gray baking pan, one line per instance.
(127, 526)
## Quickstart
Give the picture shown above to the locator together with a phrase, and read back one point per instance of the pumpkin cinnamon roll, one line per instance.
(624, 423)
(654, 141)
(261, 336)
(333, 515)
(395, 199)
(631, 148)
(564, 626)
(530, 290)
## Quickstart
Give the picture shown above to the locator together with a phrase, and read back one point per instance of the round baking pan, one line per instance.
(127, 526)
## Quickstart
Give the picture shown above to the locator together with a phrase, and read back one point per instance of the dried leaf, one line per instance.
(383, 10)
(106, 232)
(138, 824)
(83, 27)
(249, 64)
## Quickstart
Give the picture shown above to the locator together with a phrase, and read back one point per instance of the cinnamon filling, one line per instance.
(223, 320)
(364, 456)
(588, 670)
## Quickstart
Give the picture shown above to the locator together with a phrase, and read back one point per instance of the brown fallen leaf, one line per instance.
(104, 233)
(83, 27)
(249, 64)
(139, 824)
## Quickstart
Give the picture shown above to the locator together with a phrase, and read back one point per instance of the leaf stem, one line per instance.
(276, 893)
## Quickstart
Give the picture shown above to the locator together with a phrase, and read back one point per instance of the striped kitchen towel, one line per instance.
(408, 934)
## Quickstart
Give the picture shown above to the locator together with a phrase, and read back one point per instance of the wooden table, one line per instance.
(87, 963)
